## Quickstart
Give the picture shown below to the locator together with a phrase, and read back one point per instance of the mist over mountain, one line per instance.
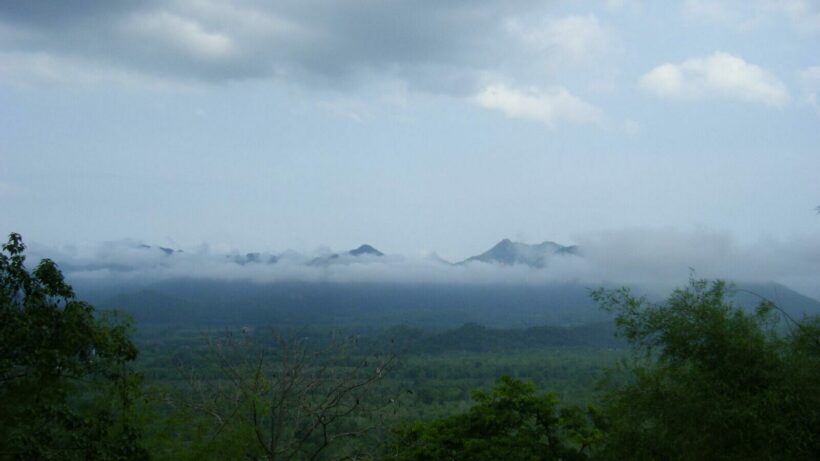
(127, 256)
(507, 252)
(361, 254)
(639, 256)
(253, 258)
(511, 283)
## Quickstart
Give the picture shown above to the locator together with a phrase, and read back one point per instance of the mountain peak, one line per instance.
(506, 243)
(509, 253)
(365, 250)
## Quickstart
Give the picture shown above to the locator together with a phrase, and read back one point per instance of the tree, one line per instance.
(710, 381)
(283, 399)
(66, 385)
(509, 422)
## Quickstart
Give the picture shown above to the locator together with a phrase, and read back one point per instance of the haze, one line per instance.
(416, 126)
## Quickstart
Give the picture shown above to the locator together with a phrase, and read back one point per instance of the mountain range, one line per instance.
(188, 294)
(506, 253)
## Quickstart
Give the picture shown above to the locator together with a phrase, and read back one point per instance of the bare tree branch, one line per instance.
(296, 398)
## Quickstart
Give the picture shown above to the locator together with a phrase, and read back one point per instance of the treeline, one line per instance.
(472, 337)
(171, 345)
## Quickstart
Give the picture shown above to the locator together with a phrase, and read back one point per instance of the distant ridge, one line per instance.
(203, 301)
(364, 250)
(508, 253)
(435, 257)
(166, 250)
(253, 258)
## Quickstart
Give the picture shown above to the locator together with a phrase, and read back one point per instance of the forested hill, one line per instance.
(473, 337)
(199, 302)
(210, 302)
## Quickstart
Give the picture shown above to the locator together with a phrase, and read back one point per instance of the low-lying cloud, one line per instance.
(641, 256)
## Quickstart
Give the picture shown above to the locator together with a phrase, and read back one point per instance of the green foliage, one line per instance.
(709, 381)
(510, 422)
(66, 389)
(255, 396)
(472, 337)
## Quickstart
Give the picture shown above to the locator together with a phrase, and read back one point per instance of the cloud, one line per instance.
(719, 75)
(575, 48)
(38, 68)
(548, 107)
(186, 36)
(664, 256)
(433, 45)
(658, 257)
(744, 15)
(456, 48)
(804, 14)
(574, 37)
(810, 81)
(741, 15)
(615, 5)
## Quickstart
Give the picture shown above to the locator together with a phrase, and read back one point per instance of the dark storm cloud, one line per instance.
(44, 13)
(441, 44)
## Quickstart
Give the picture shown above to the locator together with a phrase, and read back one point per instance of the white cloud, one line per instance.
(183, 34)
(246, 20)
(718, 75)
(741, 15)
(615, 5)
(547, 107)
(574, 37)
(803, 15)
(707, 9)
(810, 80)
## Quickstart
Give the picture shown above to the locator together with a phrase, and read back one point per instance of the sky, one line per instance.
(432, 125)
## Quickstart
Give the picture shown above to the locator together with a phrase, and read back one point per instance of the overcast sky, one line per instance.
(441, 125)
